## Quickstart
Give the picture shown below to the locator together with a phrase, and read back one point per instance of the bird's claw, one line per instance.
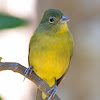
(28, 71)
(54, 89)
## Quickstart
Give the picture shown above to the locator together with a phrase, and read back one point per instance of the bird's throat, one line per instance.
(63, 29)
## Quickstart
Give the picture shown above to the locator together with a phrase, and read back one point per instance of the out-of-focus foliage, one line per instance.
(0, 59)
(1, 98)
(7, 21)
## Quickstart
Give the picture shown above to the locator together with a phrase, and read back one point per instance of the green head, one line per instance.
(53, 21)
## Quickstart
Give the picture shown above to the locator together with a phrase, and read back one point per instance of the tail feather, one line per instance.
(39, 95)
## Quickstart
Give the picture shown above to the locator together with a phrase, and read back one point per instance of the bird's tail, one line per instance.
(40, 95)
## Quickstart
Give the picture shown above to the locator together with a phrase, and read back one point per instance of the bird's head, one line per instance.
(54, 22)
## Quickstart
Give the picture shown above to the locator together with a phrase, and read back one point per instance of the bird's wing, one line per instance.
(59, 80)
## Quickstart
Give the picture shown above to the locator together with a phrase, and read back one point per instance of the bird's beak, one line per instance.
(64, 19)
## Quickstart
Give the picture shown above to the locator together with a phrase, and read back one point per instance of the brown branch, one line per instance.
(16, 67)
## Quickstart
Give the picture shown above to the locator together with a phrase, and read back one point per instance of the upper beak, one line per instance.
(64, 19)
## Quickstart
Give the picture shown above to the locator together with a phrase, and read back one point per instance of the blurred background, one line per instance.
(82, 81)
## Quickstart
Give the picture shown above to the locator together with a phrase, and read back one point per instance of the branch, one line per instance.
(16, 67)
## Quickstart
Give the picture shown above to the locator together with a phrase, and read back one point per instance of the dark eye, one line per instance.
(51, 19)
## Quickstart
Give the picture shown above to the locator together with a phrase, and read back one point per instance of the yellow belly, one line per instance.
(49, 65)
(50, 57)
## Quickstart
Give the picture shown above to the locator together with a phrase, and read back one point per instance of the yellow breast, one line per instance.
(50, 57)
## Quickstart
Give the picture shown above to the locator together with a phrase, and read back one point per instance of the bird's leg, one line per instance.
(54, 89)
(28, 71)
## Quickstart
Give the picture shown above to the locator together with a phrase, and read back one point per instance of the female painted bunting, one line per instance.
(51, 48)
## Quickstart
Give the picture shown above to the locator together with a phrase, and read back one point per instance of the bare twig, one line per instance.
(16, 67)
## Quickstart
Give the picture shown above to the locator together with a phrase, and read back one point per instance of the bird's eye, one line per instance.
(51, 19)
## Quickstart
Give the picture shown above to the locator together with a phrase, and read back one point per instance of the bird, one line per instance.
(50, 49)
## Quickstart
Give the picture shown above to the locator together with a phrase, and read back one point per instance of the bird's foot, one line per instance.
(28, 71)
(54, 90)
